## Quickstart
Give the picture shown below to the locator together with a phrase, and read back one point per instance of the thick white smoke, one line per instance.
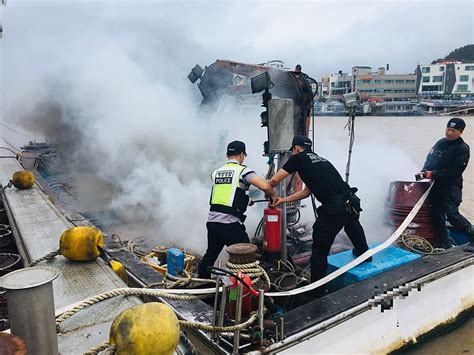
(118, 100)
(375, 162)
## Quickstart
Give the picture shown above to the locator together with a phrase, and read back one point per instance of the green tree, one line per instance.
(464, 54)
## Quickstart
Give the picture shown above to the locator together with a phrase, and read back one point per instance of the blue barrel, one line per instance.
(174, 261)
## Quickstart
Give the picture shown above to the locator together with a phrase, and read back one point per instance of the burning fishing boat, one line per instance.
(257, 301)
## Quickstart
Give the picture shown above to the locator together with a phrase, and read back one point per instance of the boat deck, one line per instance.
(375, 287)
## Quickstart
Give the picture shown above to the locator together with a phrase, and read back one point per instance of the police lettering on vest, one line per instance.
(224, 177)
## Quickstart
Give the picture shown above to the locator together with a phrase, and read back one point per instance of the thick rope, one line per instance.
(178, 281)
(253, 270)
(121, 292)
(99, 348)
(48, 256)
(194, 279)
(215, 329)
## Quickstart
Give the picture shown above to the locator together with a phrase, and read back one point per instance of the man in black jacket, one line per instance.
(340, 206)
(445, 164)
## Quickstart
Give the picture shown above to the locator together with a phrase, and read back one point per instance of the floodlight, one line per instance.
(196, 73)
(261, 82)
(351, 100)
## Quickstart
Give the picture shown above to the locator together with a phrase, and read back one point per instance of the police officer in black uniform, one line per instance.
(340, 206)
(445, 164)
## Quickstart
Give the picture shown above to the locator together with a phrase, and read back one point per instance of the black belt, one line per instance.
(228, 210)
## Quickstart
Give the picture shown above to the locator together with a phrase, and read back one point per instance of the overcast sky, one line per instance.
(323, 36)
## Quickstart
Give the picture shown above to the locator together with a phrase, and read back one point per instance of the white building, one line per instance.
(445, 78)
(276, 63)
(339, 84)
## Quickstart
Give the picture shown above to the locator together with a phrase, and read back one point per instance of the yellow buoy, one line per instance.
(81, 243)
(150, 328)
(23, 180)
(119, 269)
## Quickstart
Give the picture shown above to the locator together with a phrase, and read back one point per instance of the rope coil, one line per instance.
(417, 244)
(253, 270)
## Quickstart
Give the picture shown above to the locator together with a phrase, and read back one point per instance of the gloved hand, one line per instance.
(276, 202)
(420, 176)
(424, 175)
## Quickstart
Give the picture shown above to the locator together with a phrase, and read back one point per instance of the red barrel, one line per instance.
(401, 197)
(272, 230)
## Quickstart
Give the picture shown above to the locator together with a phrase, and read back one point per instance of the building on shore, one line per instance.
(324, 86)
(381, 93)
(374, 86)
(276, 63)
(445, 79)
(380, 86)
(339, 84)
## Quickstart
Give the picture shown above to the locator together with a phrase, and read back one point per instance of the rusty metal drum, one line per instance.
(401, 197)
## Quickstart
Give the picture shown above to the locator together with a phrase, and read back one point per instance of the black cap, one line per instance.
(456, 123)
(301, 141)
(236, 147)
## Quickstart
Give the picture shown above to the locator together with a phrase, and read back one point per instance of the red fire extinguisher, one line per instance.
(272, 231)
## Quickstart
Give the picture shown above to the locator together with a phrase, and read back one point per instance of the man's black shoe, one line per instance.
(446, 246)
(469, 248)
(356, 254)
(470, 233)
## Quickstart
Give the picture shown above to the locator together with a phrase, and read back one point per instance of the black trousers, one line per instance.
(218, 235)
(325, 230)
(445, 201)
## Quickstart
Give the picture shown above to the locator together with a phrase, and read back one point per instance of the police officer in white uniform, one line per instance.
(229, 201)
